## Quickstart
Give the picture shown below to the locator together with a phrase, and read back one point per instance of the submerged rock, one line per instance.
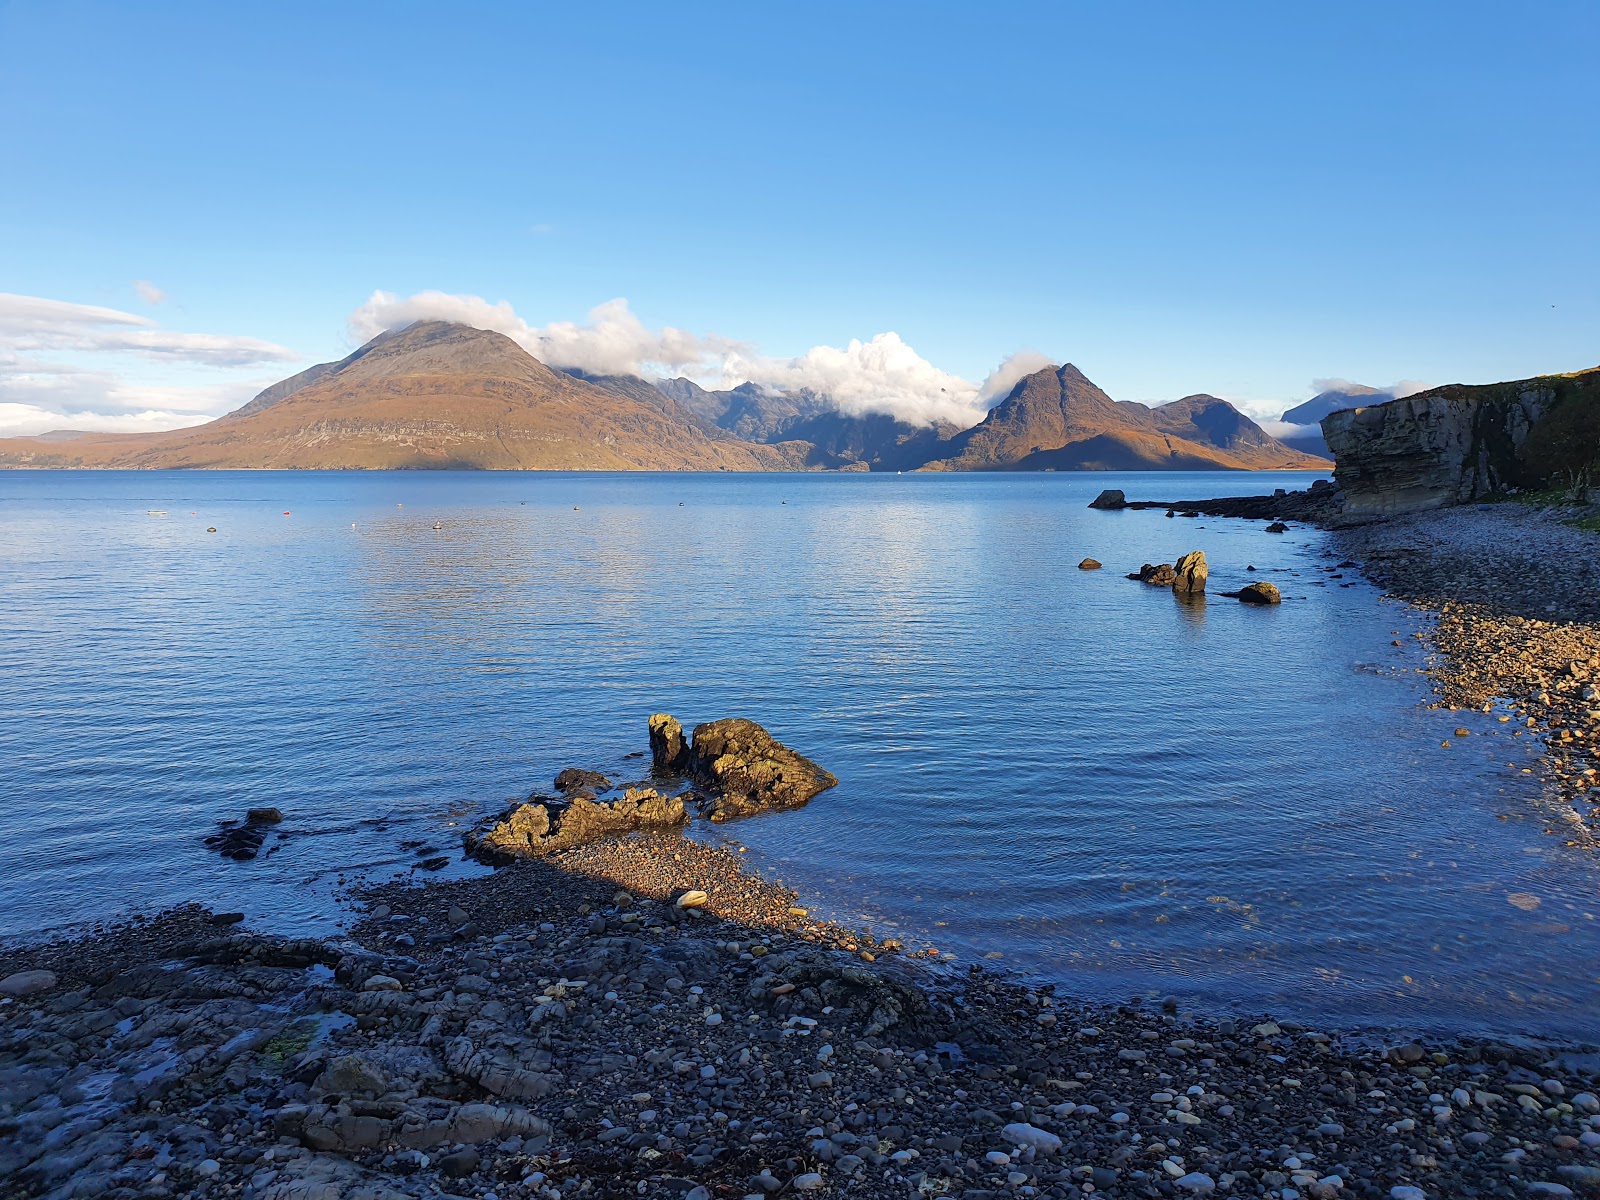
(1189, 573)
(544, 826)
(1110, 498)
(575, 779)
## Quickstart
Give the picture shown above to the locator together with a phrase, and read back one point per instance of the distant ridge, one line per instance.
(440, 395)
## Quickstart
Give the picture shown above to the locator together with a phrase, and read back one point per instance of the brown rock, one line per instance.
(575, 779)
(1156, 575)
(668, 749)
(542, 827)
(1089, 564)
(1189, 573)
(750, 771)
(1260, 593)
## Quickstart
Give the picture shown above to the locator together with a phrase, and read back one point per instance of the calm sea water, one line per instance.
(1247, 808)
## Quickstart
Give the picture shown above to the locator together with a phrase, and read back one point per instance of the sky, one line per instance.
(907, 204)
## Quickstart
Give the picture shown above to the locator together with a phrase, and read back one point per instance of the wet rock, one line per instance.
(669, 751)
(575, 779)
(1260, 593)
(353, 1074)
(264, 816)
(1156, 575)
(749, 771)
(1111, 498)
(1090, 564)
(1189, 573)
(1277, 527)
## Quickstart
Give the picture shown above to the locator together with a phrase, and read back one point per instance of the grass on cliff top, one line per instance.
(1587, 524)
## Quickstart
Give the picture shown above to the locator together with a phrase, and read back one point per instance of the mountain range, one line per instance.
(1310, 414)
(441, 395)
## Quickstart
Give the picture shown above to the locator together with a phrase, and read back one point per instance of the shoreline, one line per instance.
(560, 1027)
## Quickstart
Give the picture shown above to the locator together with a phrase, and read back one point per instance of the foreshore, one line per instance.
(563, 1027)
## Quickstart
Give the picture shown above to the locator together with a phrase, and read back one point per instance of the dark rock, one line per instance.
(264, 816)
(228, 918)
(668, 749)
(1189, 573)
(238, 842)
(460, 1164)
(575, 779)
(1277, 527)
(1156, 575)
(749, 771)
(1110, 498)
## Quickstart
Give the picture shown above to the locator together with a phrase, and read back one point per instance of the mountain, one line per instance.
(1057, 419)
(432, 394)
(835, 440)
(1310, 414)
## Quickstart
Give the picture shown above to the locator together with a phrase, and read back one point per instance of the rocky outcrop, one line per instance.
(1190, 572)
(669, 750)
(1090, 564)
(1456, 444)
(1111, 498)
(744, 768)
(543, 826)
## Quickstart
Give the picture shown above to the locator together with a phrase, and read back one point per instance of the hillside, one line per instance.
(1058, 419)
(432, 395)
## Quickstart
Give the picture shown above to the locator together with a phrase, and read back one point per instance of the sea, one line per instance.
(1057, 772)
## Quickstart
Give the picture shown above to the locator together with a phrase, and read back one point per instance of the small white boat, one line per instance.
(155, 512)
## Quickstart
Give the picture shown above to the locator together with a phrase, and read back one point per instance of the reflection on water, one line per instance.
(1092, 778)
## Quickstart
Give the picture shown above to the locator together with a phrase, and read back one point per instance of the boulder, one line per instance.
(1260, 593)
(543, 826)
(27, 983)
(575, 779)
(1089, 564)
(749, 771)
(1156, 575)
(1277, 527)
(1110, 498)
(668, 749)
(1189, 573)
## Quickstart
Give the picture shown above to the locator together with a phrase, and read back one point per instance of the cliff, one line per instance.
(1460, 443)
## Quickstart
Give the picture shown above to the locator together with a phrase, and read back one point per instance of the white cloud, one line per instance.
(880, 375)
(94, 385)
(1009, 373)
(148, 292)
(29, 323)
(1406, 387)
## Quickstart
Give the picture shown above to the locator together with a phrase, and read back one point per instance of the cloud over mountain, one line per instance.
(880, 375)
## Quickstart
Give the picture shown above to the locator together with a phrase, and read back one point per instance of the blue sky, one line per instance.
(1233, 198)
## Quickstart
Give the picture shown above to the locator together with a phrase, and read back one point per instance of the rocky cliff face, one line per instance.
(1456, 444)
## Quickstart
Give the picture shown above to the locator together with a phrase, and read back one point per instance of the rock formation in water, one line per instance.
(1460, 443)
(743, 767)
(1189, 574)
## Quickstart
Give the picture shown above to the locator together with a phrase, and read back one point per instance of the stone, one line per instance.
(1260, 593)
(1111, 498)
(1277, 527)
(1020, 1133)
(1156, 575)
(264, 816)
(669, 751)
(27, 983)
(1189, 573)
(749, 771)
(693, 898)
(575, 779)
(545, 827)
(460, 1164)
(811, 1181)
(1196, 1183)
(1090, 564)
(353, 1074)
